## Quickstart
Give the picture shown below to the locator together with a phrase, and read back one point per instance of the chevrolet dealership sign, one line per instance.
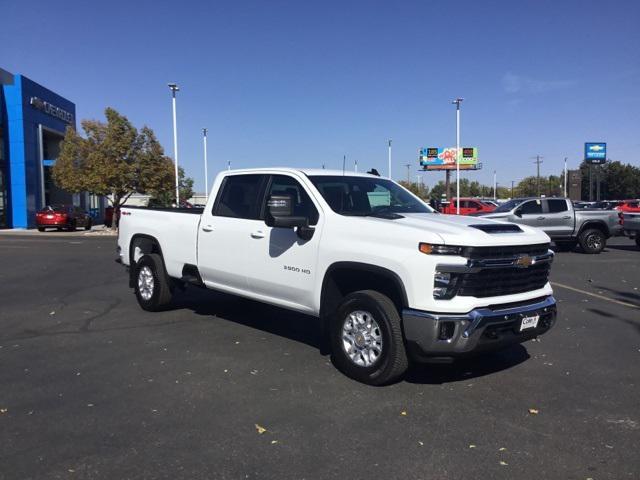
(51, 109)
(595, 153)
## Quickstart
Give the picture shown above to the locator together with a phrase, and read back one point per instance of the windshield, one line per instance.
(366, 196)
(508, 206)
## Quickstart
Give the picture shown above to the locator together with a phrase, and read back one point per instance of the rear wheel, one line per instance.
(152, 285)
(366, 338)
(41, 229)
(592, 241)
(88, 225)
(638, 240)
(72, 226)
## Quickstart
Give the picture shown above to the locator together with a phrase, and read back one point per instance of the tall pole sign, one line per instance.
(595, 153)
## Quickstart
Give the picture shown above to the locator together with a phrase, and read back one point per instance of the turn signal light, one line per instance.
(431, 249)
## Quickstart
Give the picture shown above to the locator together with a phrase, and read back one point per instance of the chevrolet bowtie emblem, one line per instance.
(524, 261)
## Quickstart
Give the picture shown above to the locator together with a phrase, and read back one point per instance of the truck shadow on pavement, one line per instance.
(307, 329)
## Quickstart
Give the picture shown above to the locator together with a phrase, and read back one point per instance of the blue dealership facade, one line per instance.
(33, 121)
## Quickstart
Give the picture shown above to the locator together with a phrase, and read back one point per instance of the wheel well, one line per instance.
(596, 226)
(347, 277)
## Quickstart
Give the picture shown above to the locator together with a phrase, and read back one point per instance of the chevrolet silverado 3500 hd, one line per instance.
(390, 279)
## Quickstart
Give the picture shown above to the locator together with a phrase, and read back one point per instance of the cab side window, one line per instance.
(302, 204)
(557, 206)
(238, 197)
(532, 207)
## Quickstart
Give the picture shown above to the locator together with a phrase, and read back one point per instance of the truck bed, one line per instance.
(177, 228)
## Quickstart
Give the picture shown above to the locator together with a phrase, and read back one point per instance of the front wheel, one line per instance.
(88, 225)
(366, 338)
(592, 241)
(638, 240)
(152, 286)
(41, 229)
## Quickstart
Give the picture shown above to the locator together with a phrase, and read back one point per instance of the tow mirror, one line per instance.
(280, 215)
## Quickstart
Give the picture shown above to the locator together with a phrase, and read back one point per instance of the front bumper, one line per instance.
(431, 335)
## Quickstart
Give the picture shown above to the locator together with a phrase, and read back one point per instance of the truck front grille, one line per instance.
(481, 253)
(495, 282)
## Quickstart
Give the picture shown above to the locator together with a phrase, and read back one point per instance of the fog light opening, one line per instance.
(446, 330)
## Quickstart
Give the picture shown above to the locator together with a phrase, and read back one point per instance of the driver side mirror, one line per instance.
(518, 213)
(280, 215)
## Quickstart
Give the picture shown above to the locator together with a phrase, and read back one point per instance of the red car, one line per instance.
(62, 216)
(468, 206)
(629, 206)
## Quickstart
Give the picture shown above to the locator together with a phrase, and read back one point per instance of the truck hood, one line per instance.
(459, 230)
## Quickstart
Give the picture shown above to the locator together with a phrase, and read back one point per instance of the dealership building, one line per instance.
(33, 120)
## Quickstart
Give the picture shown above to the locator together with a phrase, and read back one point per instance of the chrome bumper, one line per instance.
(435, 335)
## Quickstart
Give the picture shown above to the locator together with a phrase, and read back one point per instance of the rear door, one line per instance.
(559, 219)
(226, 232)
(282, 266)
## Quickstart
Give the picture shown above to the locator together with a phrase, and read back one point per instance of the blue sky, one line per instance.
(300, 83)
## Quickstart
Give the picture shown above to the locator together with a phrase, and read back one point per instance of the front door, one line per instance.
(282, 265)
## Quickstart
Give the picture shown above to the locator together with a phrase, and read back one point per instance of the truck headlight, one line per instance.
(431, 249)
(444, 285)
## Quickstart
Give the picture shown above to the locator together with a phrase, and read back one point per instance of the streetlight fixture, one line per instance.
(457, 103)
(206, 176)
(174, 88)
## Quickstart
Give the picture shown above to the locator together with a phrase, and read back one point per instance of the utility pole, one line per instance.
(206, 176)
(538, 162)
(512, 182)
(389, 158)
(228, 164)
(565, 177)
(408, 165)
(355, 164)
(495, 186)
(344, 162)
(457, 103)
(174, 88)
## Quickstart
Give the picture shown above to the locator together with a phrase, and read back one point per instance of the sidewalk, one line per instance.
(97, 231)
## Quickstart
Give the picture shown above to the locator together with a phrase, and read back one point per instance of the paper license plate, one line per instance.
(529, 322)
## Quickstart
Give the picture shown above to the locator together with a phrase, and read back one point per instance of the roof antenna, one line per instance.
(344, 159)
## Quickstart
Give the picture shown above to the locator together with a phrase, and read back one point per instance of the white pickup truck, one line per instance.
(390, 279)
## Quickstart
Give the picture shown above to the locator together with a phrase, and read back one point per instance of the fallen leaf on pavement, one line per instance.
(3, 410)
(501, 449)
(504, 464)
(472, 446)
(534, 411)
(260, 429)
(403, 413)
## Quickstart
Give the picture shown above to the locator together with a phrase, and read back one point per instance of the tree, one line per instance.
(114, 159)
(418, 189)
(167, 198)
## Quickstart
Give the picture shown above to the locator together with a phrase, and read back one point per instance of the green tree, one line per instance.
(167, 198)
(113, 159)
(419, 189)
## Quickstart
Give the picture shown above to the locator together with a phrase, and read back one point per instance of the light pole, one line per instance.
(174, 88)
(538, 162)
(457, 103)
(389, 158)
(495, 186)
(206, 176)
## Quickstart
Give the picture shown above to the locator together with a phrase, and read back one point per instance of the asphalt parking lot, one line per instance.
(93, 387)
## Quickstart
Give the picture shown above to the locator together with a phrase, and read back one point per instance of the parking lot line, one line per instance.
(601, 297)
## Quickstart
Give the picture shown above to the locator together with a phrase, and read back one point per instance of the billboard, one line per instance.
(595, 153)
(436, 158)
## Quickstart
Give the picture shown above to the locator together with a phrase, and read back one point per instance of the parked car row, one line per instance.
(62, 217)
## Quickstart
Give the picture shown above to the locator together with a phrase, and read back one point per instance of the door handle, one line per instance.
(207, 228)
(540, 218)
(257, 234)
(566, 218)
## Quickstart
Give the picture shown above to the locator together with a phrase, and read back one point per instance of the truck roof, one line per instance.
(306, 171)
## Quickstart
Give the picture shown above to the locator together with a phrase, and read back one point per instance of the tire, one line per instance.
(41, 229)
(150, 272)
(566, 246)
(88, 225)
(72, 226)
(592, 241)
(638, 241)
(391, 360)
